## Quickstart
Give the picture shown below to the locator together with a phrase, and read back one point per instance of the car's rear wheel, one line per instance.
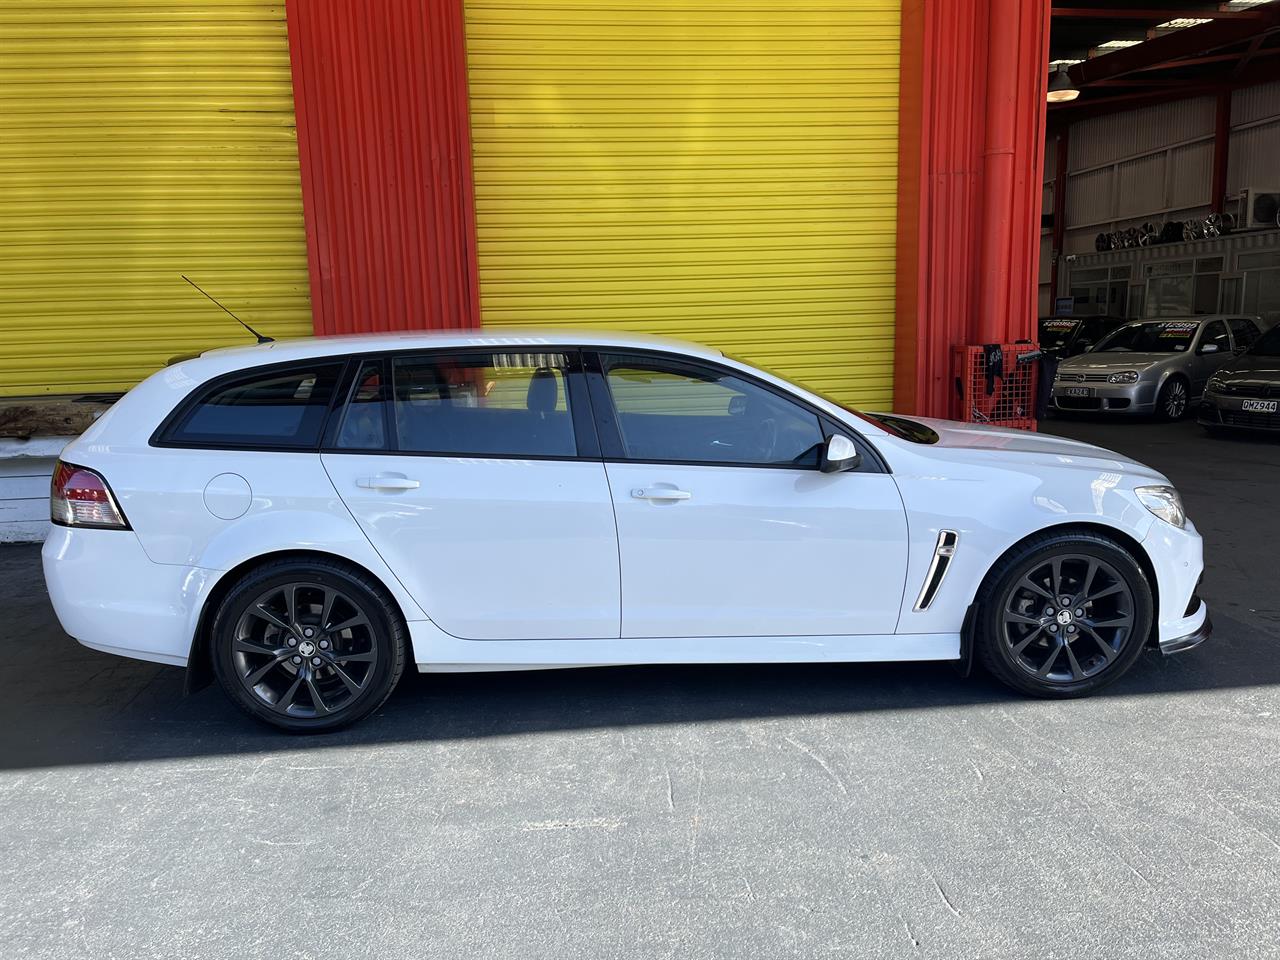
(1171, 404)
(308, 645)
(1064, 615)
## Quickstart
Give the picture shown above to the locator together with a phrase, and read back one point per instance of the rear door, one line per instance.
(477, 477)
(726, 525)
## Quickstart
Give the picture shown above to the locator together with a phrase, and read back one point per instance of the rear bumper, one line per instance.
(1193, 639)
(110, 596)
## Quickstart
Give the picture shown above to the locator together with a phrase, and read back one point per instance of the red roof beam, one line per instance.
(1179, 45)
(1145, 13)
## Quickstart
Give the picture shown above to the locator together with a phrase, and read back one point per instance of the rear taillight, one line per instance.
(78, 497)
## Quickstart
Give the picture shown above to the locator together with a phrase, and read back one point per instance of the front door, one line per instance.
(726, 526)
(467, 474)
(1203, 364)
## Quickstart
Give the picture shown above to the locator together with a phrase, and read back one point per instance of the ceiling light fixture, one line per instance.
(1061, 89)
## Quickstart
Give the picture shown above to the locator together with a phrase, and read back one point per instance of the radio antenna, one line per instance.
(260, 337)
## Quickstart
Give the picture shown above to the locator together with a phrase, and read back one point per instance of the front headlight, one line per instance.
(1124, 376)
(1215, 384)
(1165, 503)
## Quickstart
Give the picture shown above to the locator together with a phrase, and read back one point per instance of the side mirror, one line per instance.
(839, 453)
(1209, 348)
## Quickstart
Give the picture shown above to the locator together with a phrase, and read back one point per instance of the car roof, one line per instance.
(280, 351)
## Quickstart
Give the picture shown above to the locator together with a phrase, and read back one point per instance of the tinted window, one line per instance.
(284, 408)
(1056, 331)
(1215, 332)
(1245, 332)
(1268, 344)
(500, 404)
(667, 410)
(364, 421)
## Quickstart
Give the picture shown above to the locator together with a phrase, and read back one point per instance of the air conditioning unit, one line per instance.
(1259, 208)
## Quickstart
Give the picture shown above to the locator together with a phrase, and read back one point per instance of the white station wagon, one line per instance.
(302, 519)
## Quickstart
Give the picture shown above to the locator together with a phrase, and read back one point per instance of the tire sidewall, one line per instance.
(990, 639)
(385, 635)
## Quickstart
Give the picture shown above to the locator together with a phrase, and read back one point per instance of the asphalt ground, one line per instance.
(803, 811)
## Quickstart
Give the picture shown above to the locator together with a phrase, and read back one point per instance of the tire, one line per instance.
(275, 659)
(1018, 622)
(1174, 399)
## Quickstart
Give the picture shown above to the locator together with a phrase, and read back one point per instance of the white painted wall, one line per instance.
(25, 469)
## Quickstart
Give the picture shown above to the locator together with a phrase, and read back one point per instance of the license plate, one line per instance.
(1258, 406)
(1079, 392)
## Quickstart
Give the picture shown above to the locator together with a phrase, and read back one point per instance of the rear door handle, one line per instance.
(385, 481)
(660, 493)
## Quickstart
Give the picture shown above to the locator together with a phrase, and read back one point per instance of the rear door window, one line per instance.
(1244, 331)
(491, 404)
(284, 408)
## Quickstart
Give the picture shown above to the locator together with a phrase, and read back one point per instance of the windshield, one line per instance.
(1268, 344)
(1056, 331)
(1164, 336)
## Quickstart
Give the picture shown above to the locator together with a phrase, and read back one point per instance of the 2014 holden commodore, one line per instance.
(300, 520)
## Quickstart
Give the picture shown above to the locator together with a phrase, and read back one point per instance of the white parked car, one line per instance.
(302, 519)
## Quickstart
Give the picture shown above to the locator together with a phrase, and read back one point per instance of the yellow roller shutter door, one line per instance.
(721, 170)
(140, 140)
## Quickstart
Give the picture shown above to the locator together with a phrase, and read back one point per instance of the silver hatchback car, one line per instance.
(1151, 366)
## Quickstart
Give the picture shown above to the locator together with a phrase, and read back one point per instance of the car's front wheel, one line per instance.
(1063, 615)
(1171, 404)
(308, 645)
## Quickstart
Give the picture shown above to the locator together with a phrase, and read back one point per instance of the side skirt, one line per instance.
(437, 652)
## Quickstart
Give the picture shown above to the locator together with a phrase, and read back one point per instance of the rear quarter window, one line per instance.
(282, 408)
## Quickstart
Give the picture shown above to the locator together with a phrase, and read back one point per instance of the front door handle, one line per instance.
(660, 493)
(386, 481)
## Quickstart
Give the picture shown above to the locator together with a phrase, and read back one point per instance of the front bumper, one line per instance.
(1219, 411)
(1190, 640)
(1136, 398)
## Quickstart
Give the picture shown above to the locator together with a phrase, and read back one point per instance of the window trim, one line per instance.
(162, 436)
(613, 451)
(585, 438)
(347, 388)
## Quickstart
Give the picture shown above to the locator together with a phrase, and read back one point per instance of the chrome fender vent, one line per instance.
(943, 551)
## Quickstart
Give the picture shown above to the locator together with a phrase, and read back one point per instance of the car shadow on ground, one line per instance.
(62, 704)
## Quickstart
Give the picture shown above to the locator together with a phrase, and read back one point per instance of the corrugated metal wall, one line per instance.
(381, 94)
(1126, 168)
(1255, 138)
(140, 140)
(1116, 136)
(723, 170)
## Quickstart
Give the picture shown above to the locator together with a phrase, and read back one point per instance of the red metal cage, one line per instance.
(1008, 400)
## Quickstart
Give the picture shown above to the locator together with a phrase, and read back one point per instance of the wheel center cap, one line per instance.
(306, 648)
(1064, 617)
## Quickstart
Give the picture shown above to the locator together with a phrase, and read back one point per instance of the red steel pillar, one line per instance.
(1221, 151)
(1061, 160)
(971, 161)
(384, 143)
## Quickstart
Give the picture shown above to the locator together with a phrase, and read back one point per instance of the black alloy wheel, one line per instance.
(308, 646)
(1065, 616)
(1067, 619)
